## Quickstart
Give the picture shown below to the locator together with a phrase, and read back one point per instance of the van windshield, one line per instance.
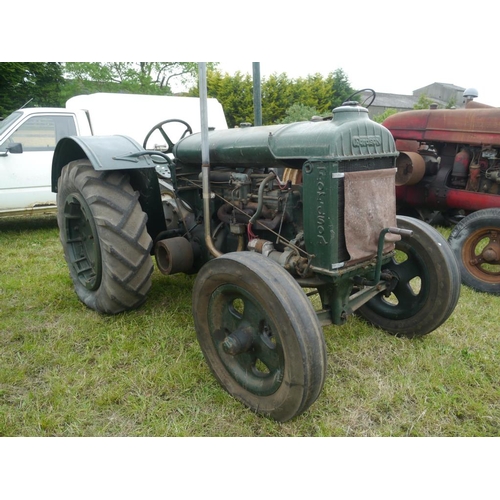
(4, 124)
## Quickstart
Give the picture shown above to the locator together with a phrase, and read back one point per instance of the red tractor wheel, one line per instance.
(475, 241)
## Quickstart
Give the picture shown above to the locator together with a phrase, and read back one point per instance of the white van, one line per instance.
(28, 137)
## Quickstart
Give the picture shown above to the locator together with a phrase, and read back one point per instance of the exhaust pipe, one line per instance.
(205, 158)
(174, 255)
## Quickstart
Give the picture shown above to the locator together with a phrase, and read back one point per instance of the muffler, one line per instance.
(174, 255)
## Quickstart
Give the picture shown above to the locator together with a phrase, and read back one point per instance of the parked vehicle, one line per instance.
(29, 136)
(449, 165)
(218, 209)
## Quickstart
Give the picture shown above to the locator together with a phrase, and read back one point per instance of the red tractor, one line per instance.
(449, 171)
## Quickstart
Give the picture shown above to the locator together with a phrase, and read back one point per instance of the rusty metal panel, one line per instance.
(459, 126)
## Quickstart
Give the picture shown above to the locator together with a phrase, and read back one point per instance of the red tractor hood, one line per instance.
(480, 126)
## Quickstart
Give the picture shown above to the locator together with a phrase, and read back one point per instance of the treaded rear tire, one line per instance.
(103, 233)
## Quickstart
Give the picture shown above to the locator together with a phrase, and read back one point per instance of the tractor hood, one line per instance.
(349, 135)
(480, 126)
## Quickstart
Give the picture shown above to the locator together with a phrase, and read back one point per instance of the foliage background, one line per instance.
(283, 99)
(33, 84)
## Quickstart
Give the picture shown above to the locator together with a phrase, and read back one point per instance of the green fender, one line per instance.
(116, 152)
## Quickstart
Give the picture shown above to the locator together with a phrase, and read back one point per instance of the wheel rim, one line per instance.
(82, 242)
(413, 286)
(481, 255)
(242, 333)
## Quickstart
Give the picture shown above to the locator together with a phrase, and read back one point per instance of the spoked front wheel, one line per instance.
(259, 334)
(427, 284)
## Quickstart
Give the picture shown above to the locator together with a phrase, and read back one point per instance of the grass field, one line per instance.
(68, 371)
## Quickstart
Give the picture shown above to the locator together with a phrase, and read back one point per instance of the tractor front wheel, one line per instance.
(259, 334)
(103, 233)
(427, 284)
(475, 241)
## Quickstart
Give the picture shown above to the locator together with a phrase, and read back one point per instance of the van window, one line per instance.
(41, 133)
(4, 124)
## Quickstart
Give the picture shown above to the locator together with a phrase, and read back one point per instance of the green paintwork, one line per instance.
(324, 150)
(259, 365)
(82, 241)
(349, 135)
(321, 221)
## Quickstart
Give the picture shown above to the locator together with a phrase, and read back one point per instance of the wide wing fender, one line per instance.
(116, 152)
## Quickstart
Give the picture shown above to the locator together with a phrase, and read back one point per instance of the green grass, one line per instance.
(68, 371)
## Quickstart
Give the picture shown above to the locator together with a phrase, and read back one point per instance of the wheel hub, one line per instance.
(239, 341)
(490, 254)
(82, 241)
(492, 251)
(483, 262)
(242, 334)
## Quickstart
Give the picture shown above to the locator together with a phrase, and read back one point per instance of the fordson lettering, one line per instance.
(367, 140)
(320, 208)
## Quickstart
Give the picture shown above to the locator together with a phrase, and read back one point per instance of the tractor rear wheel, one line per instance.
(428, 284)
(103, 233)
(259, 334)
(475, 241)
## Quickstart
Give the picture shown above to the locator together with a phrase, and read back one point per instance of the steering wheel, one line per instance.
(162, 161)
(159, 127)
(371, 97)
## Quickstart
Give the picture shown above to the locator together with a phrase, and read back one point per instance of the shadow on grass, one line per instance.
(170, 292)
(21, 223)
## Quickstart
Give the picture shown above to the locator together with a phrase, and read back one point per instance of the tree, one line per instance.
(235, 93)
(299, 113)
(340, 86)
(452, 103)
(315, 91)
(279, 94)
(382, 116)
(36, 83)
(130, 77)
(423, 102)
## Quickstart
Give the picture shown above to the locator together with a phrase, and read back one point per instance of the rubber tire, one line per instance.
(466, 229)
(440, 286)
(297, 327)
(121, 239)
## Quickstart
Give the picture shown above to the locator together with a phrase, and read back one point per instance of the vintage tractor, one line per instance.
(288, 228)
(449, 166)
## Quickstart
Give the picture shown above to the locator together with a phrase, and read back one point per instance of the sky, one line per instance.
(387, 75)
(369, 75)
(387, 45)
(361, 76)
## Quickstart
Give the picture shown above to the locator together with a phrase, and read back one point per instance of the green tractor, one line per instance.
(271, 219)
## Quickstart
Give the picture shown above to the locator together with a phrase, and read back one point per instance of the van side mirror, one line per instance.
(16, 148)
